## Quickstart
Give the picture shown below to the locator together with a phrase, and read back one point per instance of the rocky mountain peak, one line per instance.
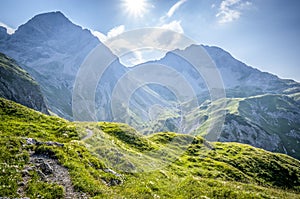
(45, 21)
(51, 48)
(49, 18)
(48, 26)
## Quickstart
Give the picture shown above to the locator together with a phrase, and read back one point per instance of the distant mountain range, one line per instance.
(261, 109)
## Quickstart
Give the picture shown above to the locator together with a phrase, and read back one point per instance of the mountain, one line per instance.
(52, 49)
(17, 85)
(48, 157)
(261, 109)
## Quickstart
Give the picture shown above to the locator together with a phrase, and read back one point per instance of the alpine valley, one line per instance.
(45, 153)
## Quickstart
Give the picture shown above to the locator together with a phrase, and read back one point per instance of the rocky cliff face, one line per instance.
(276, 115)
(237, 129)
(269, 121)
(17, 85)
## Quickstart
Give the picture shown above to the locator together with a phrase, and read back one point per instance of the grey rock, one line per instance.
(46, 168)
(114, 182)
(42, 175)
(25, 173)
(107, 170)
(31, 141)
(21, 184)
(50, 143)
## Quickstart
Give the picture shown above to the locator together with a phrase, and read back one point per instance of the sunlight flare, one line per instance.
(136, 8)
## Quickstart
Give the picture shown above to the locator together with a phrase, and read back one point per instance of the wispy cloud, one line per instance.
(9, 29)
(230, 10)
(172, 10)
(112, 33)
(175, 7)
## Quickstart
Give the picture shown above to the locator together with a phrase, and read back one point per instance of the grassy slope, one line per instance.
(162, 165)
(19, 122)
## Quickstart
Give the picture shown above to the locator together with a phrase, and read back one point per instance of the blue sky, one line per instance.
(261, 33)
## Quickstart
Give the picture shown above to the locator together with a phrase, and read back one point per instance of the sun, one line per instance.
(135, 8)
